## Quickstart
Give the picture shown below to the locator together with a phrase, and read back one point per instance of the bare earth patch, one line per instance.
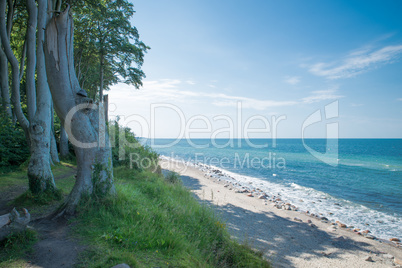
(56, 247)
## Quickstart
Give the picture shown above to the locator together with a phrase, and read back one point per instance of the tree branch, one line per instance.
(22, 61)
(15, 97)
(10, 16)
(79, 66)
(31, 58)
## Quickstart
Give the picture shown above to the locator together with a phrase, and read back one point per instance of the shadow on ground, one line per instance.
(279, 238)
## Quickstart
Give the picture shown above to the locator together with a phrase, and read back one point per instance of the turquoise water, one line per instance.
(363, 188)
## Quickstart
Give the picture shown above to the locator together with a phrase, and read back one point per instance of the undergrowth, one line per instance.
(154, 223)
(16, 246)
(28, 199)
(173, 177)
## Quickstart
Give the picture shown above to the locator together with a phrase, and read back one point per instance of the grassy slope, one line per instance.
(151, 223)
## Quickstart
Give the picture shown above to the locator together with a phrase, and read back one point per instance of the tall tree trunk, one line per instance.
(106, 105)
(53, 145)
(101, 77)
(5, 90)
(80, 117)
(54, 154)
(15, 73)
(64, 151)
(39, 172)
(10, 16)
(31, 58)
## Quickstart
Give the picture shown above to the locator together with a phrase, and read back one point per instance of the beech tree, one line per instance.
(108, 47)
(4, 83)
(5, 95)
(49, 74)
(81, 118)
(37, 125)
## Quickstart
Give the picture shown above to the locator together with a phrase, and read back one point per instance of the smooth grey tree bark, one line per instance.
(80, 117)
(39, 171)
(37, 128)
(15, 72)
(5, 90)
(4, 82)
(31, 58)
(54, 155)
(101, 63)
(64, 151)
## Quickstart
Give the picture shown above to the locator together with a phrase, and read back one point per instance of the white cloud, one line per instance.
(190, 82)
(292, 80)
(400, 99)
(321, 95)
(161, 84)
(249, 103)
(167, 91)
(357, 62)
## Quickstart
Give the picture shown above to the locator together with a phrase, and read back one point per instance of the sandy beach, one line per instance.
(287, 238)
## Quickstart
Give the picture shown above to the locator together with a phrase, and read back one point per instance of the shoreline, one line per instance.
(295, 238)
(343, 213)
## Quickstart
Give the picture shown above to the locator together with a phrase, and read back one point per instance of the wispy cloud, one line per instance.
(292, 80)
(400, 99)
(321, 95)
(223, 100)
(357, 62)
(190, 82)
(161, 84)
(168, 90)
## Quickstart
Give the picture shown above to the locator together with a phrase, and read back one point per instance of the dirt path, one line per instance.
(56, 247)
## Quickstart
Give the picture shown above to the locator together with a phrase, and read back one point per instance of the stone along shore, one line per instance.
(287, 236)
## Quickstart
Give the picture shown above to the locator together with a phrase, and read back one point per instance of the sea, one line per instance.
(355, 181)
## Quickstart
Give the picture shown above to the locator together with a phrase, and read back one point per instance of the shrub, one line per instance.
(15, 247)
(13, 145)
(128, 151)
(173, 177)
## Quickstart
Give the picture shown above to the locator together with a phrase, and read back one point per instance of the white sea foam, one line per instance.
(381, 225)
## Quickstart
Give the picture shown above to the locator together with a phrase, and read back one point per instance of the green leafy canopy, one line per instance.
(103, 30)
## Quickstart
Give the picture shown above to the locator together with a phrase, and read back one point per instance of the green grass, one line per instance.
(28, 200)
(151, 222)
(19, 177)
(15, 247)
(154, 223)
(11, 179)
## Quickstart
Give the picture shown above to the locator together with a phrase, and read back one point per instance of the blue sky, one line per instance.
(278, 60)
